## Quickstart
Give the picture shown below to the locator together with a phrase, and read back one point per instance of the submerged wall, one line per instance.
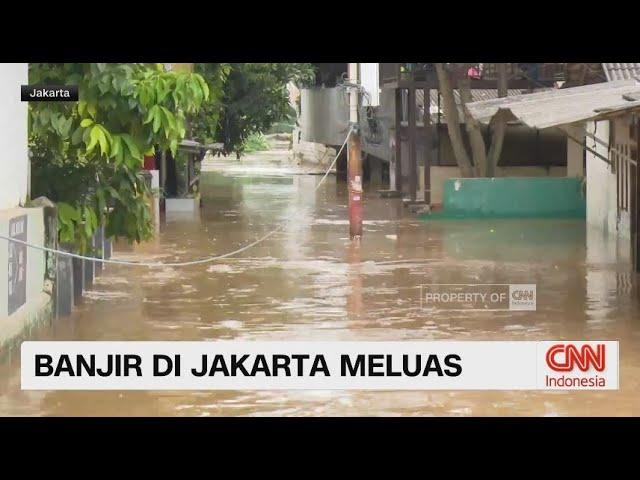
(602, 184)
(439, 176)
(23, 299)
(542, 197)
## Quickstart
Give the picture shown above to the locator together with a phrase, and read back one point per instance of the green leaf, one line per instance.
(67, 127)
(104, 144)
(76, 138)
(92, 109)
(97, 137)
(67, 214)
(203, 86)
(91, 218)
(88, 221)
(131, 145)
(102, 204)
(151, 114)
(162, 89)
(67, 233)
(116, 145)
(86, 122)
(93, 140)
(157, 120)
(114, 193)
(171, 120)
(88, 231)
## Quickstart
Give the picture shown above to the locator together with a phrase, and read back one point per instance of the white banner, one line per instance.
(405, 365)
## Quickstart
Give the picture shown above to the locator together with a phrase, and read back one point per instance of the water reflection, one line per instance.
(309, 282)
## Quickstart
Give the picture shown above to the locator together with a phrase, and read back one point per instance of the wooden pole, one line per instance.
(398, 145)
(413, 159)
(355, 185)
(428, 148)
(636, 195)
(354, 167)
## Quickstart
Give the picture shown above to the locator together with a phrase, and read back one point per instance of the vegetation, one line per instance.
(484, 162)
(256, 142)
(87, 156)
(254, 97)
(204, 125)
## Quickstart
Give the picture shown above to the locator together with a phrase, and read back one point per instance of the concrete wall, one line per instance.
(601, 184)
(439, 175)
(14, 161)
(310, 152)
(14, 183)
(515, 197)
(378, 130)
(37, 301)
(324, 115)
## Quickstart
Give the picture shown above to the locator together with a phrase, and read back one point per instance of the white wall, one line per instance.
(575, 153)
(36, 299)
(14, 181)
(601, 185)
(14, 161)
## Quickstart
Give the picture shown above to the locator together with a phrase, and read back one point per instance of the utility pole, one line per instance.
(354, 165)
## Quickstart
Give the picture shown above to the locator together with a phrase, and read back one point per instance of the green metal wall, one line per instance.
(526, 197)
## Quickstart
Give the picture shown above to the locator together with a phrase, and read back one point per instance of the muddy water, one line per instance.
(309, 282)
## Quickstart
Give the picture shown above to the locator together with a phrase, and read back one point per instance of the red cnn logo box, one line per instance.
(584, 358)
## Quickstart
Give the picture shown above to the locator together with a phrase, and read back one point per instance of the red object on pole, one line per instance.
(354, 169)
(150, 162)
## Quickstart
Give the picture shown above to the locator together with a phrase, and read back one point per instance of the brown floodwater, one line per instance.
(309, 282)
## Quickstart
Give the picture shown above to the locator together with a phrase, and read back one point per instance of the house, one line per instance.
(24, 299)
(409, 149)
(602, 123)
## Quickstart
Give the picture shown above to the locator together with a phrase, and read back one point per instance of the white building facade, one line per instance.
(23, 299)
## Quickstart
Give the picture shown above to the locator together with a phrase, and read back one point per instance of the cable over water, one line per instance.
(180, 264)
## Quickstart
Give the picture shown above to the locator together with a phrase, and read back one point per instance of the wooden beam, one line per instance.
(428, 151)
(413, 159)
(637, 197)
(398, 164)
(583, 144)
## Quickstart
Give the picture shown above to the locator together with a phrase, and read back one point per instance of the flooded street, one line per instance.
(309, 282)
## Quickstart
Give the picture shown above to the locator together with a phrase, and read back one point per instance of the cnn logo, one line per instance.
(564, 357)
(527, 295)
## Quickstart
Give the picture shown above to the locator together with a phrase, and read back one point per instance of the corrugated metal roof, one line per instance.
(477, 95)
(621, 71)
(562, 106)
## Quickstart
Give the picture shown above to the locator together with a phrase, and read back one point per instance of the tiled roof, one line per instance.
(621, 71)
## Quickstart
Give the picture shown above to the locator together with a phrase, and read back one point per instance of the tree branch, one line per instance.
(452, 121)
(498, 123)
(478, 147)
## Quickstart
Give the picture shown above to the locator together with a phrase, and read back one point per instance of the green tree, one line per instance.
(254, 97)
(204, 125)
(485, 161)
(88, 155)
